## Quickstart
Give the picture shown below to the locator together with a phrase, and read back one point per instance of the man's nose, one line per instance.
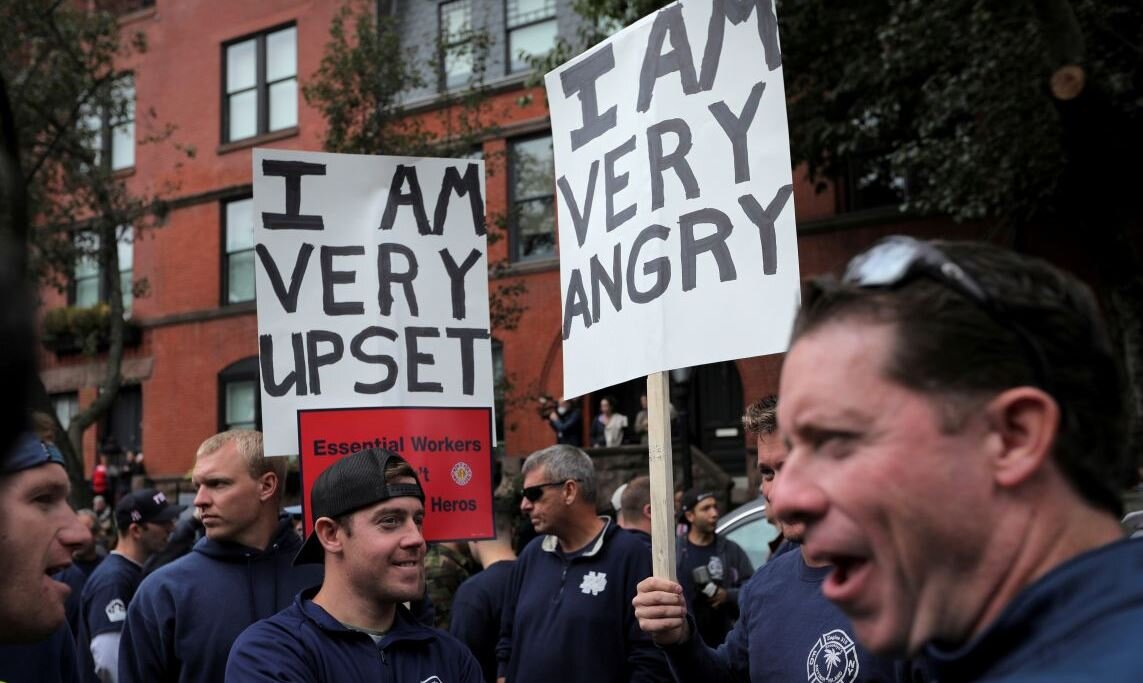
(795, 495)
(74, 534)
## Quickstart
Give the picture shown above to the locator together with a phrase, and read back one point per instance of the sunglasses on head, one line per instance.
(535, 492)
(899, 259)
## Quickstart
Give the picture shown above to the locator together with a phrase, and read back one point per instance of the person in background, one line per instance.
(144, 520)
(592, 566)
(187, 614)
(83, 562)
(476, 608)
(567, 422)
(710, 568)
(608, 427)
(635, 507)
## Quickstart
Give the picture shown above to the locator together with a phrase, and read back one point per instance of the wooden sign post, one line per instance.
(662, 475)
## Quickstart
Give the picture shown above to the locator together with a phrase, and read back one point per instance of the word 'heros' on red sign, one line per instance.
(450, 448)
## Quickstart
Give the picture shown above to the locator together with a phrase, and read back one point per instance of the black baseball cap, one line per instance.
(695, 496)
(354, 482)
(142, 506)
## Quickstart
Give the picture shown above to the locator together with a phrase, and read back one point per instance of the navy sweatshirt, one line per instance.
(51, 660)
(304, 643)
(1082, 621)
(787, 631)
(571, 619)
(476, 611)
(187, 614)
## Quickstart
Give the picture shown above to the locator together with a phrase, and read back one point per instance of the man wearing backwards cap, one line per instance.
(367, 510)
(710, 568)
(38, 533)
(144, 520)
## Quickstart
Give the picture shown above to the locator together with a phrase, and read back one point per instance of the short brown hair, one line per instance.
(957, 352)
(761, 416)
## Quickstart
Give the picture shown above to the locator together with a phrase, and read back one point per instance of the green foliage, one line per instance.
(361, 87)
(75, 329)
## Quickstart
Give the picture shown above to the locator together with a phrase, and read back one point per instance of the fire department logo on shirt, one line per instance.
(115, 610)
(833, 659)
(593, 583)
(461, 473)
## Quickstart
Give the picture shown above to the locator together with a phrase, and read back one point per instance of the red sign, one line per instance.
(451, 449)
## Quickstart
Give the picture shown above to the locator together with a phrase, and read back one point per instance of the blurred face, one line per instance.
(228, 498)
(384, 551)
(899, 507)
(153, 536)
(605, 407)
(546, 511)
(771, 458)
(705, 516)
(38, 534)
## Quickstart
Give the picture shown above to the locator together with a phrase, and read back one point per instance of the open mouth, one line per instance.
(848, 578)
(56, 569)
(408, 564)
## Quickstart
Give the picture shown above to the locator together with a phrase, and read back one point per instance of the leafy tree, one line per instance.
(367, 70)
(1025, 117)
(60, 200)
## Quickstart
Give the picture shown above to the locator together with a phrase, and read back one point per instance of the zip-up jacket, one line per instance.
(569, 617)
(1079, 622)
(304, 643)
(729, 568)
(187, 614)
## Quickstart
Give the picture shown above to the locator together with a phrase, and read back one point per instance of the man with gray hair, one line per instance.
(568, 616)
(187, 614)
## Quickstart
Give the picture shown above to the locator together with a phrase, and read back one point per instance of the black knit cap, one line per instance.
(354, 482)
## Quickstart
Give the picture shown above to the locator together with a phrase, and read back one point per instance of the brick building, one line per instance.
(227, 75)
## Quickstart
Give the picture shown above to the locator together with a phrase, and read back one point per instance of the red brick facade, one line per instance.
(189, 336)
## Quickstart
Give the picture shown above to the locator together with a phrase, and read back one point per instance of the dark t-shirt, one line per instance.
(476, 614)
(103, 607)
(712, 623)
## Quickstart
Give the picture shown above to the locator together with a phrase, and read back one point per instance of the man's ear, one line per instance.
(329, 534)
(267, 486)
(570, 491)
(1025, 421)
(647, 510)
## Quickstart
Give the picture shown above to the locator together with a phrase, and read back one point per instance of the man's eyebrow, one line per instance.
(53, 488)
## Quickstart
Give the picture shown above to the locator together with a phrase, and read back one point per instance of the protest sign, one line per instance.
(372, 293)
(674, 191)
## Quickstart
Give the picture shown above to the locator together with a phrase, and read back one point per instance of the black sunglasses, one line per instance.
(535, 492)
(898, 259)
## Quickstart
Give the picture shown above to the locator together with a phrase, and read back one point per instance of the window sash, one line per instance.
(261, 89)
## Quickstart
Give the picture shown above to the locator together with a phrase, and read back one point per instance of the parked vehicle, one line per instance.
(747, 526)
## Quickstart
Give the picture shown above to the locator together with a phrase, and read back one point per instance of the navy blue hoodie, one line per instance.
(305, 643)
(1082, 621)
(571, 619)
(187, 614)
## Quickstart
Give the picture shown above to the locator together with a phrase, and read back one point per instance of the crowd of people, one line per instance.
(944, 460)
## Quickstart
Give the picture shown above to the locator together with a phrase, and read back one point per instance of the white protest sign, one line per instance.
(674, 191)
(372, 282)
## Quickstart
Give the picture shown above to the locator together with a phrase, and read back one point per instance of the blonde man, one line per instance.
(186, 615)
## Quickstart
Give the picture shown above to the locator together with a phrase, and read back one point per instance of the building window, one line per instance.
(531, 31)
(66, 406)
(111, 126)
(238, 260)
(261, 88)
(456, 43)
(240, 404)
(532, 219)
(89, 284)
